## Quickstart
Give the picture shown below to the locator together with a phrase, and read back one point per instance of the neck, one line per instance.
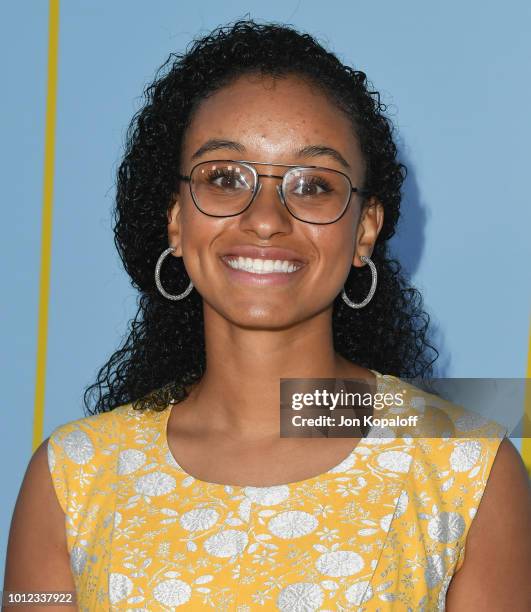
(238, 394)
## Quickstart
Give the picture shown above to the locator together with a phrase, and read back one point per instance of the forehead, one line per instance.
(272, 118)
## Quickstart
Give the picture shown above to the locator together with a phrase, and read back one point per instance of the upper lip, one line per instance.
(255, 252)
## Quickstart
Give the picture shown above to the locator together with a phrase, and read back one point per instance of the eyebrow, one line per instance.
(214, 144)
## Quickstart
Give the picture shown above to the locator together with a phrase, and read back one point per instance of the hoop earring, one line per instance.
(374, 273)
(169, 296)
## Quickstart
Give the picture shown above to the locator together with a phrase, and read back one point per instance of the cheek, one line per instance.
(196, 228)
(336, 245)
(195, 236)
(338, 264)
(198, 233)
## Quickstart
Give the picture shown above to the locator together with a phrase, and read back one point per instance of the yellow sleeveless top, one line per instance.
(383, 530)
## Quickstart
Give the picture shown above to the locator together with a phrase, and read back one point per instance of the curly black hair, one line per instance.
(164, 351)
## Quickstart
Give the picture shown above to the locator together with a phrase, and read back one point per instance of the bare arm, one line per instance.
(37, 555)
(495, 573)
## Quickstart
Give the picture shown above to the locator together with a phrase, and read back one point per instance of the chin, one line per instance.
(260, 317)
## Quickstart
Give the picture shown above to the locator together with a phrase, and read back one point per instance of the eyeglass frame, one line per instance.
(257, 186)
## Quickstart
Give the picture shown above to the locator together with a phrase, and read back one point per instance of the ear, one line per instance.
(174, 226)
(369, 227)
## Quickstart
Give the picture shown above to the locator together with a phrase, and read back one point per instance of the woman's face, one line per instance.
(271, 121)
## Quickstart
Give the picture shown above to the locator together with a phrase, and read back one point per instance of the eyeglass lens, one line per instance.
(317, 195)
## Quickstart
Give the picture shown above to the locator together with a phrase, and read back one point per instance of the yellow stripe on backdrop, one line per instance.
(526, 434)
(46, 230)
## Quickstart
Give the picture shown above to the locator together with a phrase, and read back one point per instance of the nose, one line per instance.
(267, 214)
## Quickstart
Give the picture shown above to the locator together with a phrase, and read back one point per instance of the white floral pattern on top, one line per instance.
(385, 529)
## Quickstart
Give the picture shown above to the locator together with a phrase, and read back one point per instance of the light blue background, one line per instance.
(456, 77)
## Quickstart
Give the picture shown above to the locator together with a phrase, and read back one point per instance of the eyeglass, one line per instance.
(226, 188)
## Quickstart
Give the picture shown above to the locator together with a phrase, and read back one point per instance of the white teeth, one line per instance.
(262, 266)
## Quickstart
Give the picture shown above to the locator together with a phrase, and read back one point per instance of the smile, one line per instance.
(262, 266)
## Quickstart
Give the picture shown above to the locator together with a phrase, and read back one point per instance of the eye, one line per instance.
(226, 179)
(310, 186)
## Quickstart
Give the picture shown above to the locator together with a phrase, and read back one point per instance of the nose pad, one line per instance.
(280, 196)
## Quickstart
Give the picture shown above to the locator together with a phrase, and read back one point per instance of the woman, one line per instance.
(255, 200)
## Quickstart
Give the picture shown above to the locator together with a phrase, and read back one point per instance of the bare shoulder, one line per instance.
(497, 564)
(37, 556)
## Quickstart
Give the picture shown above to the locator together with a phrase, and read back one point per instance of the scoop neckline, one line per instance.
(380, 380)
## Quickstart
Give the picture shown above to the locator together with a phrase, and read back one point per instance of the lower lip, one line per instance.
(261, 280)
